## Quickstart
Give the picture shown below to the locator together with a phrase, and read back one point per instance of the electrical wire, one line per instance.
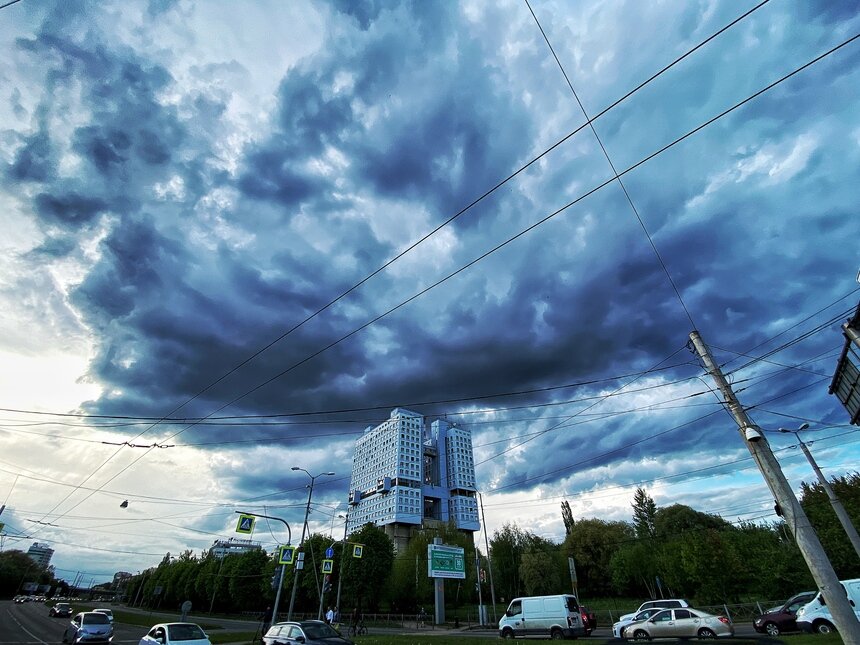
(612, 167)
(409, 248)
(525, 231)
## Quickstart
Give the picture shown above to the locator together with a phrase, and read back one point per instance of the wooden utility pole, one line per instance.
(807, 540)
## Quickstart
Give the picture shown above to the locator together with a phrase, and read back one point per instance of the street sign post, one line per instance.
(329, 553)
(327, 566)
(245, 524)
(357, 551)
(286, 554)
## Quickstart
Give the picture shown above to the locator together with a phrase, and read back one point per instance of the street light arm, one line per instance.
(271, 517)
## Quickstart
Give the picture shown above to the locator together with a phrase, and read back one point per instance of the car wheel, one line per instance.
(641, 635)
(706, 633)
(508, 633)
(556, 635)
(771, 629)
(824, 627)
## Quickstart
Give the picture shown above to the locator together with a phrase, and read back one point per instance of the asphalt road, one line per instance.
(30, 624)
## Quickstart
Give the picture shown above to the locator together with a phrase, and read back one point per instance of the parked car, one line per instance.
(663, 603)
(88, 627)
(815, 615)
(645, 614)
(167, 633)
(62, 609)
(783, 618)
(680, 623)
(589, 619)
(309, 632)
(106, 612)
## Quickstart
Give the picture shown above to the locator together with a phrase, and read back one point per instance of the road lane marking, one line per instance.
(18, 622)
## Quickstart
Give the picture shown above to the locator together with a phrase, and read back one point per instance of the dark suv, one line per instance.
(783, 619)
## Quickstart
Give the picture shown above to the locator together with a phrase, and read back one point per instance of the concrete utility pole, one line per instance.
(299, 555)
(807, 540)
(489, 559)
(834, 501)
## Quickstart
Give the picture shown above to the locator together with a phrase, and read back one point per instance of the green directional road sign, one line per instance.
(286, 554)
(245, 524)
(446, 561)
(328, 566)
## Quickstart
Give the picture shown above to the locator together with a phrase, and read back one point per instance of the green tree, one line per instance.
(365, 579)
(592, 543)
(644, 513)
(835, 541)
(540, 572)
(506, 549)
(567, 517)
(16, 567)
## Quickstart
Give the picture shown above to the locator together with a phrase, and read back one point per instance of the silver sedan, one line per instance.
(680, 623)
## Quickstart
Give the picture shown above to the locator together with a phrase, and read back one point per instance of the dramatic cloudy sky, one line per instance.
(187, 187)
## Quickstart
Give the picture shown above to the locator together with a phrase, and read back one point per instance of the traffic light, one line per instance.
(327, 584)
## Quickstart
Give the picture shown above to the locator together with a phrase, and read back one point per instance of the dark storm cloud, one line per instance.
(69, 209)
(55, 247)
(35, 160)
(421, 116)
(137, 264)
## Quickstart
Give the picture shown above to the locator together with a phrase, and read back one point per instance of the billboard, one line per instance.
(445, 561)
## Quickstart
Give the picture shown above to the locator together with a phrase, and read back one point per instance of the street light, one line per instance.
(302, 541)
(834, 501)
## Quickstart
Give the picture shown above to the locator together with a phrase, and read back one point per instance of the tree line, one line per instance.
(676, 551)
(672, 550)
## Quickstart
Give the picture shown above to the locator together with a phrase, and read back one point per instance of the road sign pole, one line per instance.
(439, 594)
(274, 616)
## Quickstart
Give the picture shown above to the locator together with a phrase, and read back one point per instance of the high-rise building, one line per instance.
(405, 476)
(41, 553)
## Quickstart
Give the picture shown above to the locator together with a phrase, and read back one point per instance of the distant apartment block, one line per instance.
(233, 546)
(406, 475)
(41, 554)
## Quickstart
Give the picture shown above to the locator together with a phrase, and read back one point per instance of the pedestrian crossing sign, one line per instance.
(357, 550)
(286, 554)
(328, 566)
(246, 524)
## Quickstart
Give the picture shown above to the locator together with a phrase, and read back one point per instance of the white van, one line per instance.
(554, 616)
(815, 616)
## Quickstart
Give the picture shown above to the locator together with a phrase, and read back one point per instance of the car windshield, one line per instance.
(62, 605)
(185, 632)
(319, 631)
(96, 619)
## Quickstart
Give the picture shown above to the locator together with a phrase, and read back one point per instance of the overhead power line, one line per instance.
(419, 241)
(612, 165)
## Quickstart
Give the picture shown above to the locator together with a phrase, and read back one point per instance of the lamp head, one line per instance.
(803, 426)
(295, 468)
(328, 473)
(752, 434)
(124, 504)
